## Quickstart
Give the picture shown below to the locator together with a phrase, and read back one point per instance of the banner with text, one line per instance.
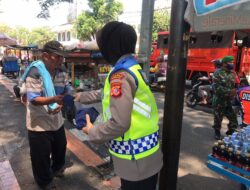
(225, 15)
(203, 7)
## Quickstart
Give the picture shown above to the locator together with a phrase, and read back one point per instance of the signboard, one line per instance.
(218, 15)
(203, 7)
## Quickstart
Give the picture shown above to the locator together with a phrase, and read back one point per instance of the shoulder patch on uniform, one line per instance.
(116, 89)
(118, 76)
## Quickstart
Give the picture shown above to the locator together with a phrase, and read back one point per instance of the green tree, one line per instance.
(46, 4)
(40, 36)
(101, 12)
(21, 34)
(160, 22)
(37, 36)
(5, 29)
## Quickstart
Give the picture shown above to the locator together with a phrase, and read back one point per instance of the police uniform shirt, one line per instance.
(121, 104)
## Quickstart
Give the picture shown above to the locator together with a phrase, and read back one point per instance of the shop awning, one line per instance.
(6, 40)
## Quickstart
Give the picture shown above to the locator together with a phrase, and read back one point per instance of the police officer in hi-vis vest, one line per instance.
(129, 110)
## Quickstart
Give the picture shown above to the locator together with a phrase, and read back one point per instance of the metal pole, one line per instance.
(146, 33)
(173, 108)
(73, 74)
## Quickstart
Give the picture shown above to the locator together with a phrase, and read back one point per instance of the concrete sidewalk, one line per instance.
(197, 140)
(15, 165)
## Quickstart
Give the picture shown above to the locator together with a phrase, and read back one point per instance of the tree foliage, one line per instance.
(46, 4)
(37, 36)
(160, 22)
(40, 36)
(101, 12)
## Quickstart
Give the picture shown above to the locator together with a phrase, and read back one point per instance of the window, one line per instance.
(192, 39)
(63, 36)
(59, 36)
(68, 36)
(162, 41)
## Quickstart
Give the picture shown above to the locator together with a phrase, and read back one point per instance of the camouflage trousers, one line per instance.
(221, 109)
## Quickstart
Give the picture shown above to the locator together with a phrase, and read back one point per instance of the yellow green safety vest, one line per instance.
(142, 138)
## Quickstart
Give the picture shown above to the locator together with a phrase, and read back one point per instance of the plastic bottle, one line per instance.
(223, 153)
(238, 159)
(215, 150)
(230, 157)
(246, 164)
(220, 142)
(226, 142)
(244, 149)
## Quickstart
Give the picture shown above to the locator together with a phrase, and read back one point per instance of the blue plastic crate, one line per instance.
(227, 169)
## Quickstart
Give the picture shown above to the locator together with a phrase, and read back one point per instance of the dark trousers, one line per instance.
(17, 91)
(146, 184)
(47, 151)
(225, 109)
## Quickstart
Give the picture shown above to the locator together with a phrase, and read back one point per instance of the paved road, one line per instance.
(197, 140)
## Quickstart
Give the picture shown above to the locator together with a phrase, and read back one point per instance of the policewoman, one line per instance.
(129, 111)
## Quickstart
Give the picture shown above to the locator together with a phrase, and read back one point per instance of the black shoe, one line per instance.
(59, 173)
(217, 134)
(230, 132)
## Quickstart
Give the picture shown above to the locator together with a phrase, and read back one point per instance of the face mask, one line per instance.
(230, 66)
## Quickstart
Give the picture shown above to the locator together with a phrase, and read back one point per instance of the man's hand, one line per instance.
(55, 111)
(59, 99)
(88, 126)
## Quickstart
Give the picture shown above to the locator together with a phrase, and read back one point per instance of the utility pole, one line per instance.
(146, 33)
(174, 96)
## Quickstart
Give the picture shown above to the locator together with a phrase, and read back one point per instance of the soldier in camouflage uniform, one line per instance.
(224, 87)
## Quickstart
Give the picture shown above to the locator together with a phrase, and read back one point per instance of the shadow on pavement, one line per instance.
(191, 181)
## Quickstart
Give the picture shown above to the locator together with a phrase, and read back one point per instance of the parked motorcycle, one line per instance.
(194, 97)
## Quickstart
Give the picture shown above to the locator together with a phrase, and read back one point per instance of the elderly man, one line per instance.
(44, 120)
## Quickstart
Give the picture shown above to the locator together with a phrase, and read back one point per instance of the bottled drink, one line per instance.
(220, 142)
(223, 153)
(246, 164)
(226, 142)
(236, 145)
(238, 159)
(215, 150)
(244, 149)
(230, 157)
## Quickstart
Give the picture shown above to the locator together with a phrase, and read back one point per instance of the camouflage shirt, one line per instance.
(223, 83)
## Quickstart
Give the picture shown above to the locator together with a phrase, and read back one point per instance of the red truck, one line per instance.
(207, 46)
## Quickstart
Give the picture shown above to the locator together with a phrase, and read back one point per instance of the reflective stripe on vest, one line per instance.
(137, 146)
(142, 108)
